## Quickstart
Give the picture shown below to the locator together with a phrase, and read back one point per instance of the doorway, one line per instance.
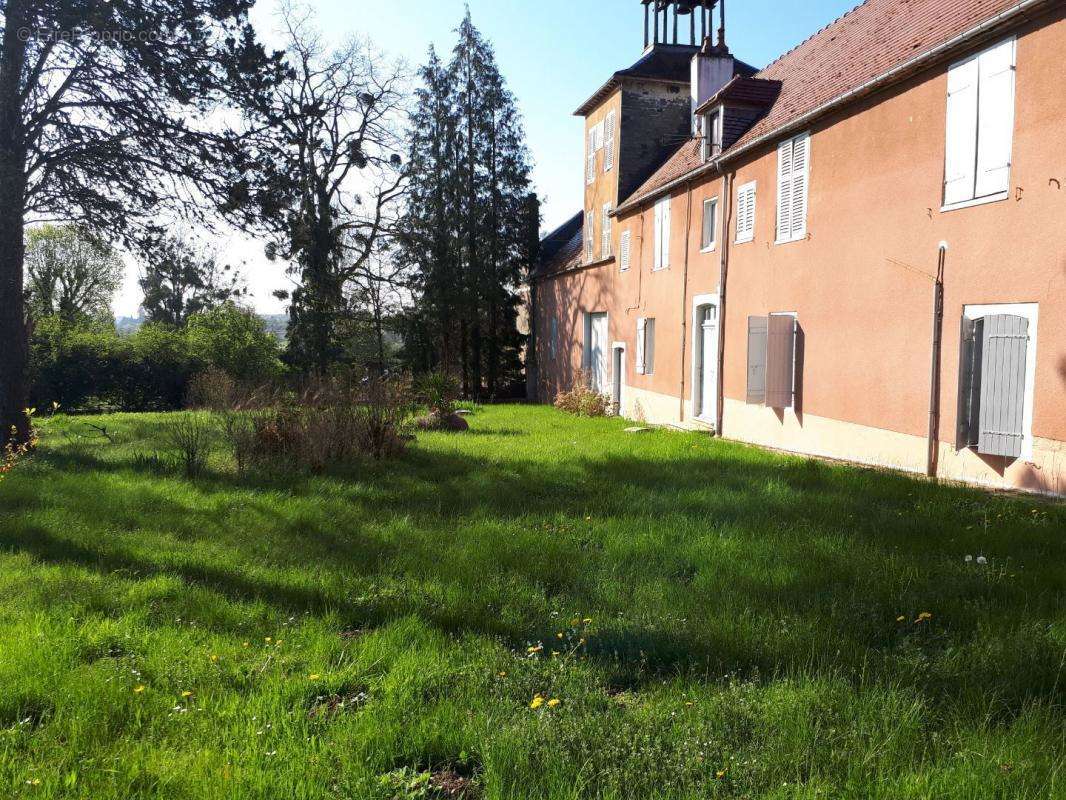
(705, 385)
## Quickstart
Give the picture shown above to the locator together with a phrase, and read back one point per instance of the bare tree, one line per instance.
(335, 136)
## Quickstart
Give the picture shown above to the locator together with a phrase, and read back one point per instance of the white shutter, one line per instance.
(642, 325)
(589, 234)
(658, 237)
(784, 191)
(961, 155)
(590, 163)
(801, 169)
(746, 213)
(605, 232)
(665, 243)
(624, 246)
(995, 127)
(609, 139)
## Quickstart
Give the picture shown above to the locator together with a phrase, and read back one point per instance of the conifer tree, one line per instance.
(472, 201)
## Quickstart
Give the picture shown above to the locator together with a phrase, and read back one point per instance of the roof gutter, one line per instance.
(878, 82)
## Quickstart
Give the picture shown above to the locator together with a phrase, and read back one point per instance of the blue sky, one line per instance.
(553, 53)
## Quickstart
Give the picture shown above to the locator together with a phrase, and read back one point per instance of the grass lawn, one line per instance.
(714, 622)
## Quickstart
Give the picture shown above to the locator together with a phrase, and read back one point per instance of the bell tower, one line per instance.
(664, 22)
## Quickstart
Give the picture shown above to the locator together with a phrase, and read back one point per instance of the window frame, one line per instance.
(704, 246)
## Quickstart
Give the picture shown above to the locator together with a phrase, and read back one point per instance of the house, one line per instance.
(857, 252)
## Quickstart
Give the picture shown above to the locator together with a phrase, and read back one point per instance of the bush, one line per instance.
(440, 392)
(582, 399)
(192, 436)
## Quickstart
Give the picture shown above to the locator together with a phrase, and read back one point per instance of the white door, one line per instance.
(708, 363)
(597, 352)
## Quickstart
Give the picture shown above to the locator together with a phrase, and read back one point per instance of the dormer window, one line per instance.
(711, 134)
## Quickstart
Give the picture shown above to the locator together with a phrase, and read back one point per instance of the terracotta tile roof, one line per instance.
(868, 41)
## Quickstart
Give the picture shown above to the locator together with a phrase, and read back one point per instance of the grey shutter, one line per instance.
(1005, 341)
(969, 383)
(649, 347)
(780, 360)
(757, 328)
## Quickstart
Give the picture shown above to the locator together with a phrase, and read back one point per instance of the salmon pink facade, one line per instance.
(858, 252)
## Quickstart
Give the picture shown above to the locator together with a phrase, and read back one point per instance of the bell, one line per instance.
(685, 6)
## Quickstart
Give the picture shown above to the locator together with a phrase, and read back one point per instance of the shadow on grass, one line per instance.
(802, 592)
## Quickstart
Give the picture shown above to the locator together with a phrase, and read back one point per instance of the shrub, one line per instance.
(440, 392)
(582, 399)
(192, 436)
(235, 341)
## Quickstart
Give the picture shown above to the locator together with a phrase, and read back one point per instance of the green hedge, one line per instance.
(92, 367)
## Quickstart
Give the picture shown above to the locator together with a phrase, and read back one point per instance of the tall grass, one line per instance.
(713, 620)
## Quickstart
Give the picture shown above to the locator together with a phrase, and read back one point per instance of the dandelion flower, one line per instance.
(268, 639)
(214, 658)
(245, 644)
(559, 635)
(314, 676)
(502, 675)
(139, 689)
(554, 702)
(538, 701)
(535, 648)
(720, 774)
(186, 694)
(900, 618)
(923, 617)
(587, 620)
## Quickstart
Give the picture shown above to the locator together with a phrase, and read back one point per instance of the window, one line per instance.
(608, 143)
(980, 126)
(645, 346)
(997, 379)
(625, 246)
(605, 232)
(746, 212)
(590, 235)
(793, 179)
(662, 234)
(772, 360)
(711, 139)
(710, 224)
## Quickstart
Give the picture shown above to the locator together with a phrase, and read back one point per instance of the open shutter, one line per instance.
(801, 167)
(995, 129)
(784, 191)
(961, 156)
(1005, 342)
(605, 232)
(641, 330)
(590, 158)
(780, 361)
(649, 347)
(666, 232)
(757, 329)
(658, 238)
(608, 145)
(590, 232)
(626, 249)
(969, 384)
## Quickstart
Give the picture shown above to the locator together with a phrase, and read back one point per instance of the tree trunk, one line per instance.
(14, 348)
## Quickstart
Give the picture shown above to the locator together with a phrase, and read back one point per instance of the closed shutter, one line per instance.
(641, 327)
(609, 140)
(649, 347)
(780, 360)
(605, 234)
(1005, 342)
(757, 330)
(969, 383)
(961, 155)
(995, 120)
(784, 191)
(801, 166)
(626, 248)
